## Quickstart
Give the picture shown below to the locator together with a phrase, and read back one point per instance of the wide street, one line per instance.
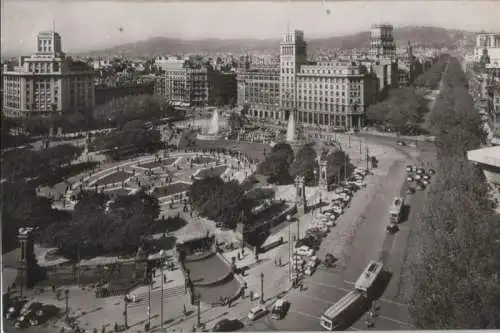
(371, 242)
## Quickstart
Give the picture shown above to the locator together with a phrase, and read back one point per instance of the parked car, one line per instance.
(432, 171)
(410, 190)
(13, 309)
(401, 143)
(311, 266)
(425, 181)
(420, 186)
(304, 251)
(426, 177)
(418, 177)
(337, 209)
(257, 312)
(409, 178)
(360, 184)
(227, 325)
(409, 168)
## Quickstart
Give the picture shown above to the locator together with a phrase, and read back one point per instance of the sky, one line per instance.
(91, 25)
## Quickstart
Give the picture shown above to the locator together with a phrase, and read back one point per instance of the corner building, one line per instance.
(47, 82)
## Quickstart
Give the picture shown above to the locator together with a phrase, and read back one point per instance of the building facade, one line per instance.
(491, 43)
(47, 82)
(329, 94)
(335, 94)
(259, 91)
(382, 43)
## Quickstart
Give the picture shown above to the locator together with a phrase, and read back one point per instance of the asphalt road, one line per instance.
(371, 242)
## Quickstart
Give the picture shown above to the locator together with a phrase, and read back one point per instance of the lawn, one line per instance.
(170, 189)
(165, 162)
(215, 172)
(115, 177)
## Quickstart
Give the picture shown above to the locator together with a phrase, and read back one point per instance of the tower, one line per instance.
(382, 41)
(409, 51)
(300, 198)
(49, 43)
(293, 54)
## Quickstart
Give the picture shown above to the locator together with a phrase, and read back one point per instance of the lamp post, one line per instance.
(261, 288)
(162, 279)
(125, 311)
(66, 295)
(198, 313)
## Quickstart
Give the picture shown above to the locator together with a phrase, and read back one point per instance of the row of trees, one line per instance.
(26, 163)
(402, 111)
(115, 113)
(432, 77)
(455, 262)
(281, 166)
(101, 226)
(133, 138)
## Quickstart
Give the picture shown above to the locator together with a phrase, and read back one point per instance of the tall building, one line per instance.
(293, 54)
(329, 94)
(47, 82)
(382, 43)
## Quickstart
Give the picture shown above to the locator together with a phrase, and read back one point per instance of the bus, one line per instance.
(345, 311)
(396, 210)
(369, 276)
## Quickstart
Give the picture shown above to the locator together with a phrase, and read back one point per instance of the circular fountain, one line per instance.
(211, 132)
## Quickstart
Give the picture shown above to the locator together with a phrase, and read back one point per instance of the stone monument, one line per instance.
(323, 180)
(300, 198)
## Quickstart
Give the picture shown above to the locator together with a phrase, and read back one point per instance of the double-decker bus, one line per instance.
(396, 210)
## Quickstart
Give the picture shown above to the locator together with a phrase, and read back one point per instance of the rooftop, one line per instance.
(489, 156)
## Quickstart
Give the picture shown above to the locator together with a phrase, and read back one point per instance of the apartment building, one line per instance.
(491, 43)
(335, 94)
(259, 90)
(47, 82)
(382, 43)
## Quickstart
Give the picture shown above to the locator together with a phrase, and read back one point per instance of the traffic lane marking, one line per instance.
(382, 323)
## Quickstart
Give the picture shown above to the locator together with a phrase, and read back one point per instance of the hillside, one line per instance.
(419, 36)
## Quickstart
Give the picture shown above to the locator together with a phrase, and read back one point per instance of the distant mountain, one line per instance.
(418, 36)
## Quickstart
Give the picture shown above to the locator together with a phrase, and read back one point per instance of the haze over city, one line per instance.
(93, 25)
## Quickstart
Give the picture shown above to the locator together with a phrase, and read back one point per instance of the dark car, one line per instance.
(420, 186)
(432, 171)
(227, 325)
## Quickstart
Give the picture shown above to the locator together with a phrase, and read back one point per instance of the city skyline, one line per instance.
(249, 20)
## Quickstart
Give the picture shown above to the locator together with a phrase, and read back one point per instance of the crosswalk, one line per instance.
(142, 298)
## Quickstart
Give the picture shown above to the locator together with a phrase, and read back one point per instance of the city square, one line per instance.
(152, 184)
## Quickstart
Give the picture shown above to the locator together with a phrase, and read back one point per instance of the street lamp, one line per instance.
(262, 288)
(125, 312)
(66, 295)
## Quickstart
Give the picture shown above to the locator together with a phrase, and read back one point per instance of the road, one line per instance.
(371, 242)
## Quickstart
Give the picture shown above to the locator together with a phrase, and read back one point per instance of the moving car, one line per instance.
(280, 309)
(257, 312)
(227, 325)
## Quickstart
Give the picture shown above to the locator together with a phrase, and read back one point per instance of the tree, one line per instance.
(131, 139)
(21, 207)
(220, 201)
(454, 265)
(277, 164)
(235, 121)
(143, 107)
(338, 163)
(102, 226)
(304, 165)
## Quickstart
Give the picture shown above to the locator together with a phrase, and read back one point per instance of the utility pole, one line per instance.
(125, 312)
(198, 313)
